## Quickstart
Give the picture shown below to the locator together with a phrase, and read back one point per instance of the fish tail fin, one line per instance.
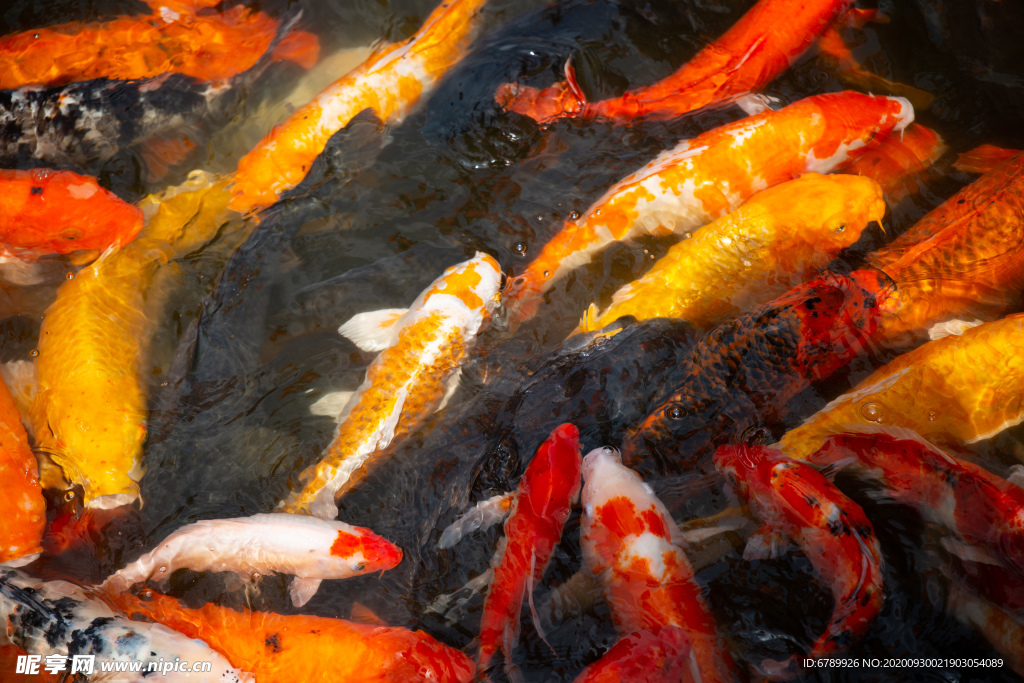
(483, 515)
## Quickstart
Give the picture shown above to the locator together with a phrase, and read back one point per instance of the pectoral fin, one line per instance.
(331, 404)
(301, 590)
(372, 330)
(764, 544)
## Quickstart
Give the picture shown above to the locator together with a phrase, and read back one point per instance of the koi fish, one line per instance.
(983, 158)
(89, 413)
(1001, 629)
(312, 549)
(960, 389)
(759, 47)
(985, 511)
(653, 657)
(540, 508)
(58, 618)
(964, 259)
(776, 239)
(706, 177)
(630, 541)
(743, 372)
(391, 82)
(421, 349)
(212, 46)
(21, 498)
(898, 162)
(57, 212)
(281, 648)
(796, 501)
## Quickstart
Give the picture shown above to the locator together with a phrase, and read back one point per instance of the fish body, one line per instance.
(58, 618)
(898, 162)
(959, 389)
(57, 212)
(89, 413)
(540, 508)
(797, 502)
(631, 543)
(965, 258)
(281, 648)
(212, 46)
(986, 511)
(758, 47)
(312, 549)
(21, 498)
(392, 81)
(659, 657)
(421, 349)
(743, 372)
(710, 175)
(779, 237)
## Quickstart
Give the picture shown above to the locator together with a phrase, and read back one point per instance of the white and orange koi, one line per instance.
(421, 351)
(706, 177)
(312, 549)
(631, 543)
(796, 501)
(391, 82)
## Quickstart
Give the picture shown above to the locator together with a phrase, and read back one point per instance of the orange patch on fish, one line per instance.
(346, 544)
(619, 517)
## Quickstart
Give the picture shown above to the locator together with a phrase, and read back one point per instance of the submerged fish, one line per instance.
(959, 389)
(21, 499)
(540, 508)
(287, 648)
(57, 618)
(89, 414)
(797, 502)
(741, 375)
(776, 239)
(965, 259)
(758, 47)
(57, 212)
(392, 81)
(898, 162)
(311, 549)
(658, 656)
(631, 543)
(985, 511)
(208, 46)
(421, 351)
(706, 177)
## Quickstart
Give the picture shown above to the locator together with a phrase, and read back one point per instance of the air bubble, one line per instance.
(34, 352)
(574, 215)
(69, 276)
(519, 248)
(872, 412)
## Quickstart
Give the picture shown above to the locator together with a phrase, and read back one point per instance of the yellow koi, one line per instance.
(778, 238)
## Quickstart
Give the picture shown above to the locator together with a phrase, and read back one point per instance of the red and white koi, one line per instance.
(796, 501)
(421, 350)
(631, 543)
(712, 174)
(540, 508)
(312, 549)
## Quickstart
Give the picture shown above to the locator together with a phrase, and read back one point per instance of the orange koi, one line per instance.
(540, 507)
(212, 46)
(653, 657)
(706, 177)
(21, 498)
(983, 159)
(959, 389)
(57, 212)
(796, 501)
(421, 350)
(778, 238)
(898, 162)
(286, 648)
(631, 543)
(759, 47)
(965, 259)
(985, 511)
(392, 81)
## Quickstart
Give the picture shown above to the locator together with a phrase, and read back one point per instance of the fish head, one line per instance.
(470, 289)
(675, 433)
(551, 482)
(357, 550)
(844, 123)
(838, 209)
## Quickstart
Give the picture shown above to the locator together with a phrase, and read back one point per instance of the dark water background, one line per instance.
(231, 426)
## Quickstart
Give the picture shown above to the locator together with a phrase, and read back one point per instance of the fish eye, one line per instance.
(676, 412)
(841, 228)
(359, 567)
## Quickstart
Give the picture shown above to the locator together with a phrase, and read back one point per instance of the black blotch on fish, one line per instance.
(19, 335)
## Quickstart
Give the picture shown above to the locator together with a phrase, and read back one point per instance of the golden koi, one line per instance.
(959, 389)
(89, 413)
(421, 350)
(392, 81)
(778, 238)
(706, 177)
